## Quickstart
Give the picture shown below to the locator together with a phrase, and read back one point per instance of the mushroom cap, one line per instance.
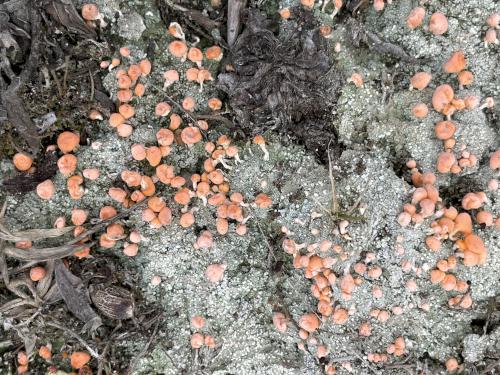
(471, 201)
(46, 189)
(192, 74)
(415, 18)
(178, 48)
(463, 223)
(420, 80)
(195, 55)
(79, 359)
(215, 272)
(444, 130)
(438, 23)
(90, 12)
(213, 53)
(68, 141)
(442, 97)
(171, 75)
(214, 104)
(162, 109)
(191, 135)
(465, 78)
(309, 322)
(456, 63)
(145, 66)
(189, 103)
(420, 110)
(22, 161)
(165, 137)
(474, 243)
(445, 161)
(259, 140)
(495, 160)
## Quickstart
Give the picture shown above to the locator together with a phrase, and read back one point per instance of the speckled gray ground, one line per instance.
(380, 134)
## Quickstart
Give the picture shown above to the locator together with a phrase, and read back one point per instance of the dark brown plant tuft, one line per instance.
(277, 78)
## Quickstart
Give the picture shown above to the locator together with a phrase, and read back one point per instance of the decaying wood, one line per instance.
(234, 13)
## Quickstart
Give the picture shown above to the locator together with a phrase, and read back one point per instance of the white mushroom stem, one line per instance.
(325, 3)
(204, 199)
(315, 215)
(237, 159)
(244, 221)
(488, 103)
(335, 11)
(167, 84)
(195, 42)
(223, 162)
(102, 23)
(343, 226)
(179, 33)
(287, 231)
(264, 150)
(298, 221)
(300, 246)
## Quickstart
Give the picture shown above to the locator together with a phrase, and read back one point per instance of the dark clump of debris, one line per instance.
(279, 80)
(26, 182)
(49, 72)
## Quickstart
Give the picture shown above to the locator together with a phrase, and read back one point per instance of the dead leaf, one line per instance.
(64, 12)
(75, 295)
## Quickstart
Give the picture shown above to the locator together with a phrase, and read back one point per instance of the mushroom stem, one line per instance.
(488, 103)
(264, 150)
(223, 162)
(204, 199)
(325, 3)
(334, 13)
(244, 221)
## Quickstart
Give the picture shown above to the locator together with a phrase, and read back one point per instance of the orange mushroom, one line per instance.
(195, 55)
(178, 49)
(189, 103)
(68, 141)
(22, 161)
(456, 63)
(79, 359)
(170, 76)
(309, 322)
(162, 109)
(191, 135)
(442, 97)
(438, 23)
(215, 272)
(46, 189)
(446, 160)
(495, 160)
(214, 53)
(444, 130)
(420, 110)
(415, 18)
